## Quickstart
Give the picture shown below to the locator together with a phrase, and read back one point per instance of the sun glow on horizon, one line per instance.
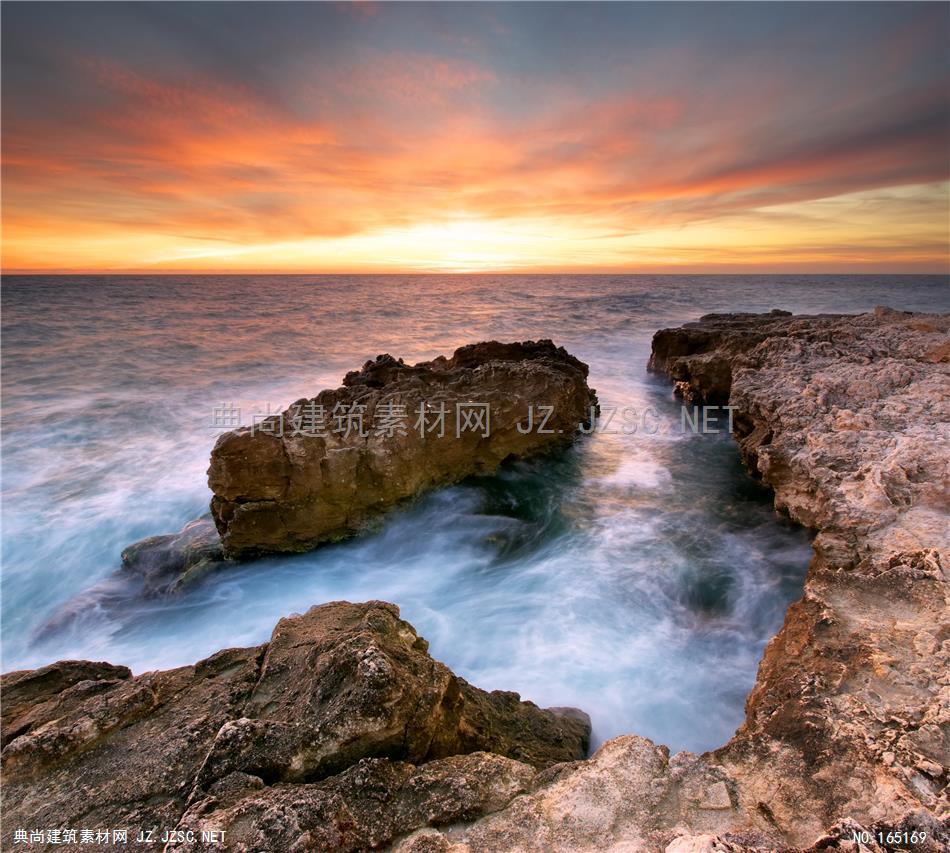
(415, 142)
(843, 231)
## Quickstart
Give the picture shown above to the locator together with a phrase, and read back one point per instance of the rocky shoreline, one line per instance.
(340, 733)
(327, 466)
(343, 734)
(846, 419)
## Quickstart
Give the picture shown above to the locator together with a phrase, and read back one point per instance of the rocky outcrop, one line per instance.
(342, 734)
(343, 716)
(699, 357)
(322, 468)
(846, 418)
(846, 742)
(327, 466)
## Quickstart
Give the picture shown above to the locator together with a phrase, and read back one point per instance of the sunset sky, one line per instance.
(476, 137)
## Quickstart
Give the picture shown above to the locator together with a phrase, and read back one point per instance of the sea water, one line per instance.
(637, 575)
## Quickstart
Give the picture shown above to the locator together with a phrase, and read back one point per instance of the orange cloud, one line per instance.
(163, 171)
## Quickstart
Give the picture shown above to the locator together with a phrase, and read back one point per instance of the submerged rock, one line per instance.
(322, 468)
(153, 567)
(342, 709)
(168, 563)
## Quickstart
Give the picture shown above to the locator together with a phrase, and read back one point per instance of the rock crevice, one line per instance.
(847, 730)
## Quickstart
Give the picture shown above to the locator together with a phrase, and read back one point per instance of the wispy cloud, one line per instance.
(323, 155)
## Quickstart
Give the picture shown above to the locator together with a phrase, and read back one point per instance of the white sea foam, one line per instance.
(637, 577)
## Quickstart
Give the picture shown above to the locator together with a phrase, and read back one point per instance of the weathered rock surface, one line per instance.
(309, 475)
(341, 733)
(365, 807)
(343, 716)
(848, 420)
(848, 726)
(322, 468)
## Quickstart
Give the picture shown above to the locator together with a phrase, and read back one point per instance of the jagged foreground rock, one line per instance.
(310, 741)
(324, 466)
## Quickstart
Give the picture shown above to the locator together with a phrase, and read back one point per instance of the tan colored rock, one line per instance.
(629, 796)
(293, 481)
(704, 843)
(282, 726)
(426, 840)
(848, 420)
(716, 797)
(846, 728)
(848, 724)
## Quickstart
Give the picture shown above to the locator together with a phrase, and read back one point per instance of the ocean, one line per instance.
(637, 576)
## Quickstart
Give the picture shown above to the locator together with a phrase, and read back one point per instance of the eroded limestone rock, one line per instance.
(847, 418)
(848, 725)
(294, 480)
(286, 725)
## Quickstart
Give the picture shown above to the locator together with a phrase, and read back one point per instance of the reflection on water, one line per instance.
(635, 576)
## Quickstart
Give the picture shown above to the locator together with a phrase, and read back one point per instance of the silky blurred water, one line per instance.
(635, 576)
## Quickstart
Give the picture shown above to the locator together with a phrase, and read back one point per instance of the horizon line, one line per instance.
(210, 273)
